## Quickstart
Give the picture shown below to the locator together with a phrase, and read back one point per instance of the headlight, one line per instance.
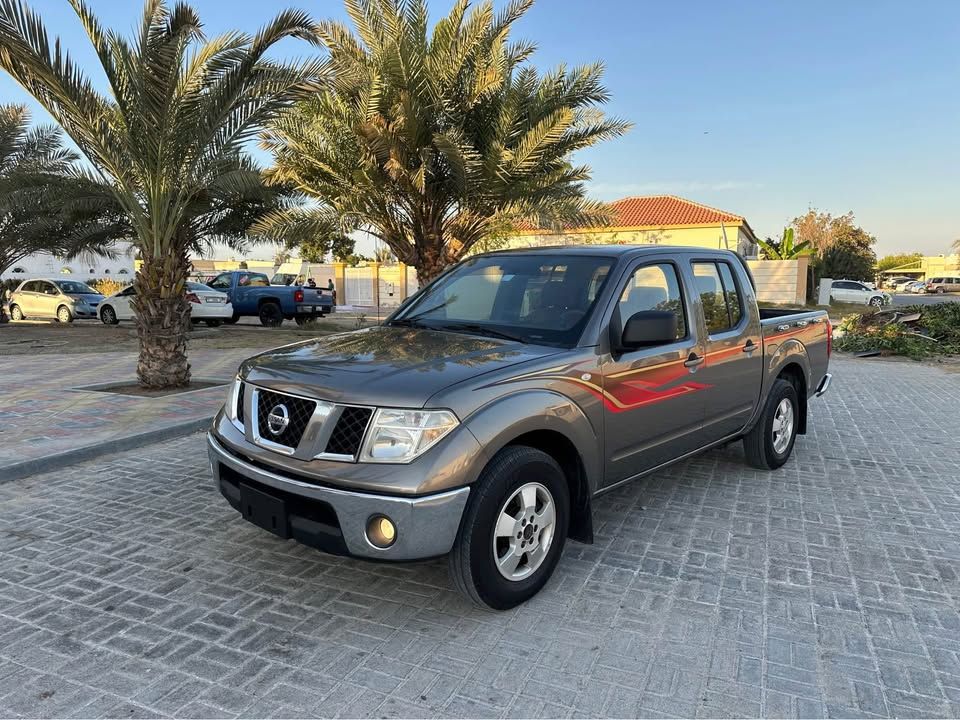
(398, 436)
(233, 394)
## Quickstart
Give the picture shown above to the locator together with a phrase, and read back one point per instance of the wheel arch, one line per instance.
(554, 424)
(794, 374)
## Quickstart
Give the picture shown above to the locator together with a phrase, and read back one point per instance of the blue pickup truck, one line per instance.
(252, 295)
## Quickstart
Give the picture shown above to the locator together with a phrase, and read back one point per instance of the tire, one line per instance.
(303, 320)
(759, 445)
(271, 315)
(473, 563)
(63, 314)
(939, 291)
(108, 316)
(213, 323)
(876, 302)
(16, 313)
(232, 320)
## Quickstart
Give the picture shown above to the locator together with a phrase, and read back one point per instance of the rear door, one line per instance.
(25, 297)
(652, 405)
(733, 364)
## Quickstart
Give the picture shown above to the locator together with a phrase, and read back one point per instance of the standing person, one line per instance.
(311, 283)
(332, 289)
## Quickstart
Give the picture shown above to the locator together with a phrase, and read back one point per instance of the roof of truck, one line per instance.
(605, 250)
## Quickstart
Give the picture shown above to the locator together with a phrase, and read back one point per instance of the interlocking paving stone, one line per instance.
(128, 587)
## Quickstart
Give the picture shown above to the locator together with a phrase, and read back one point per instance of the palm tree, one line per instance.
(41, 199)
(167, 138)
(787, 248)
(433, 142)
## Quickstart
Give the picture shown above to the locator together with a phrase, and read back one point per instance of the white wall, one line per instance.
(38, 266)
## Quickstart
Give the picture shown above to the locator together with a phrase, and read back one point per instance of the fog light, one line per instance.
(381, 532)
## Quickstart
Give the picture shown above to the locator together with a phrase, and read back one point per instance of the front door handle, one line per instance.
(693, 361)
(750, 346)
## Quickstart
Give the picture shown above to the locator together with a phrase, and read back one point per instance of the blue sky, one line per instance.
(759, 108)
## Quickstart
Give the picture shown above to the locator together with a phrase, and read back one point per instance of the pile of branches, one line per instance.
(916, 331)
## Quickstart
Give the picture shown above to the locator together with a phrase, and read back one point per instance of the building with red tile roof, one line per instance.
(654, 219)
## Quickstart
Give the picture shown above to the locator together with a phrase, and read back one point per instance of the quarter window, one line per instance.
(719, 296)
(654, 287)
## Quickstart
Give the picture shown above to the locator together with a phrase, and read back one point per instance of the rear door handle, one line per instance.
(750, 346)
(693, 361)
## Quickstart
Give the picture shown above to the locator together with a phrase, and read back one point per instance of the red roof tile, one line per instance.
(659, 210)
(662, 210)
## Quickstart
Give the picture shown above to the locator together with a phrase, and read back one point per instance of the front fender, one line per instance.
(501, 421)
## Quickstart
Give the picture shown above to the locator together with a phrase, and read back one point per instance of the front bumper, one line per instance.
(335, 520)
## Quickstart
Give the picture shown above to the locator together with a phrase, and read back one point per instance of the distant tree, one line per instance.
(888, 262)
(430, 139)
(316, 249)
(849, 256)
(786, 248)
(819, 229)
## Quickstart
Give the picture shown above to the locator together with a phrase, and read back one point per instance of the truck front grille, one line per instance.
(299, 412)
(348, 434)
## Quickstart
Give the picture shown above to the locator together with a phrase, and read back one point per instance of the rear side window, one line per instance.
(719, 296)
(654, 287)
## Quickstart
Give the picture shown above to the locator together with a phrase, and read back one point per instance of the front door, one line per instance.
(652, 402)
(733, 364)
(48, 300)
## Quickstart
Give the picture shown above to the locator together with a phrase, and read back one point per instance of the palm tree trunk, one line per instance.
(430, 258)
(163, 320)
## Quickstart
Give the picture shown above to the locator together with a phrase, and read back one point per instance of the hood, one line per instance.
(86, 297)
(384, 366)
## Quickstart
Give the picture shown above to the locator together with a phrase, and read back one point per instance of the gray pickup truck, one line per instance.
(482, 418)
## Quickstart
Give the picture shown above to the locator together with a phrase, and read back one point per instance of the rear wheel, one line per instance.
(16, 313)
(514, 529)
(233, 320)
(939, 291)
(108, 316)
(213, 323)
(769, 444)
(303, 320)
(64, 315)
(271, 315)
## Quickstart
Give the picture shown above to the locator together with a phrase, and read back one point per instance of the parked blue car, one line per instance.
(252, 295)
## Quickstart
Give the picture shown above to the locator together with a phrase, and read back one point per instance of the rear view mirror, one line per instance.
(649, 327)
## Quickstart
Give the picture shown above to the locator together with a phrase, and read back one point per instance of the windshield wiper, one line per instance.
(412, 320)
(478, 329)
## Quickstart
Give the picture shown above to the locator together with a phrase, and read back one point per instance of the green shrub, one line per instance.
(107, 286)
(936, 333)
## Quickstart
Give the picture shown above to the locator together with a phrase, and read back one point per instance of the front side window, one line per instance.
(253, 280)
(719, 296)
(654, 287)
(542, 299)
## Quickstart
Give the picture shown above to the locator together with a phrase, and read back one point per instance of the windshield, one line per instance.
(541, 299)
(72, 287)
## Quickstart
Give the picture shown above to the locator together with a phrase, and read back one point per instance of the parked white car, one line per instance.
(854, 291)
(206, 305)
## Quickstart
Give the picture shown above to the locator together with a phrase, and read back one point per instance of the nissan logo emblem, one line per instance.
(278, 419)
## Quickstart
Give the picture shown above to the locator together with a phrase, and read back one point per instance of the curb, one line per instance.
(21, 470)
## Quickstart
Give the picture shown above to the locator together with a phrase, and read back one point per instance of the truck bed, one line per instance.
(809, 328)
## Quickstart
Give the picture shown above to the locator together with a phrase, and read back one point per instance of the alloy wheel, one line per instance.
(782, 426)
(524, 531)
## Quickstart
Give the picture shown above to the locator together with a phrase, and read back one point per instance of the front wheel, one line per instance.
(16, 313)
(271, 315)
(876, 302)
(64, 315)
(769, 444)
(513, 532)
(108, 315)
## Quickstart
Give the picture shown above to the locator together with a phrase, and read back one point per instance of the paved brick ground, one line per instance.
(44, 416)
(129, 588)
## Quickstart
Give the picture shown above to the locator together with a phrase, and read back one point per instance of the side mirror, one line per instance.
(649, 327)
